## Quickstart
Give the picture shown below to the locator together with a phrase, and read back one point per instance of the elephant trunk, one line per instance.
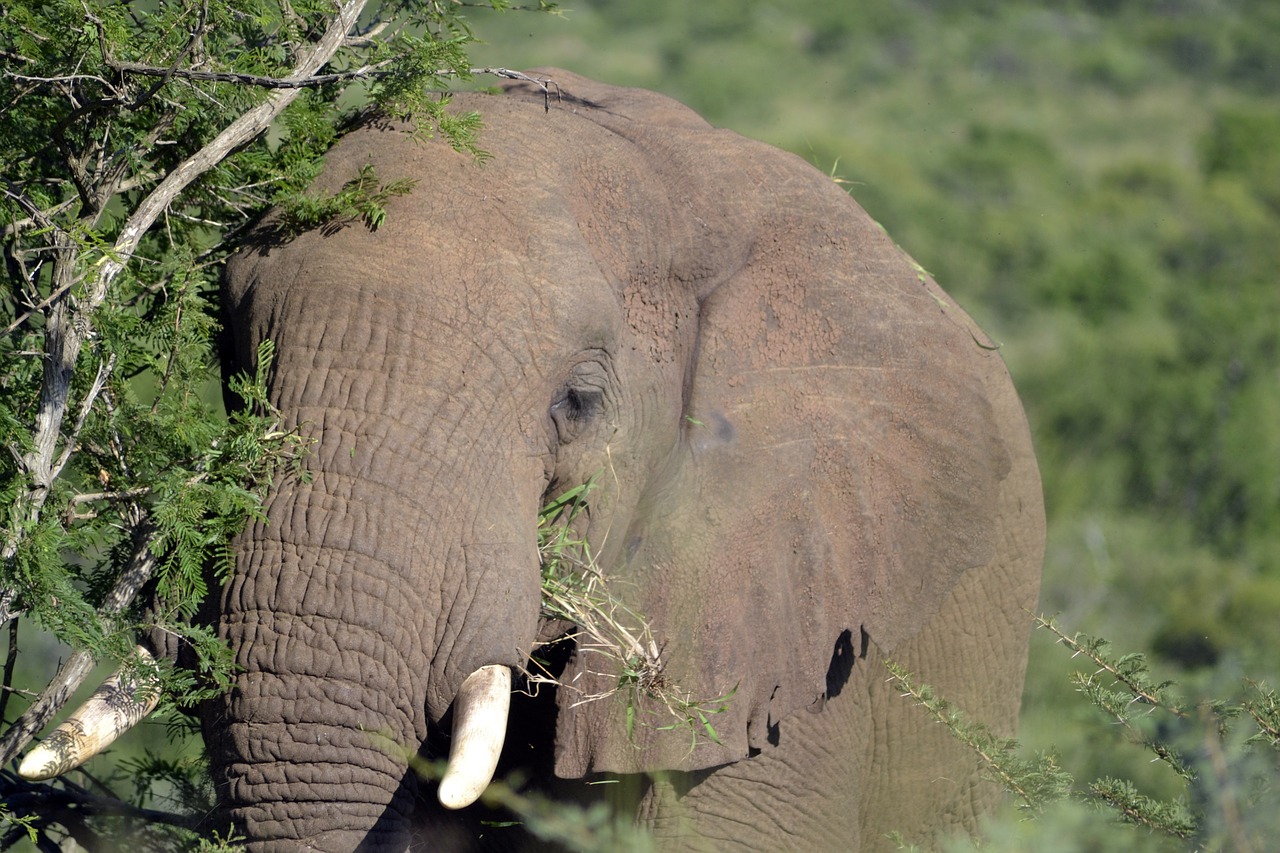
(353, 639)
(281, 804)
(405, 561)
(296, 762)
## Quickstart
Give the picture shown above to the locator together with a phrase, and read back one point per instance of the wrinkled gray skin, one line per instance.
(809, 460)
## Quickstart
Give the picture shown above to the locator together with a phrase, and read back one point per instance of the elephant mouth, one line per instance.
(503, 723)
(483, 705)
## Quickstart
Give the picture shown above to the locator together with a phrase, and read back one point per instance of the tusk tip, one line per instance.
(40, 764)
(113, 709)
(456, 794)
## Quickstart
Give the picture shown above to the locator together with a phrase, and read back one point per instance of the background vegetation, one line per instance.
(1099, 184)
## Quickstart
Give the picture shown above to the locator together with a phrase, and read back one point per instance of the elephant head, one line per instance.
(803, 455)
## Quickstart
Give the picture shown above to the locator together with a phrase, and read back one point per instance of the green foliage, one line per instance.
(100, 808)
(139, 142)
(92, 126)
(361, 198)
(1172, 818)
(1264, 708)
(1036, 782)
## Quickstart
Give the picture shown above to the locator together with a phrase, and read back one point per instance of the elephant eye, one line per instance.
(573, 408)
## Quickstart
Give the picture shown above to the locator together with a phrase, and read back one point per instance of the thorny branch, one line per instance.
(104, 370)
(363, 73)
(66, 78)
(367, 72)
(69, 326)
(1142, 692)
(61, 804)
(10, 662)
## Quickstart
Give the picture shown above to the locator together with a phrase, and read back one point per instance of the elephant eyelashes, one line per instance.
(573, 409)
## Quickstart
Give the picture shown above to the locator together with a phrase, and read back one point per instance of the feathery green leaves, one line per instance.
(140, 143)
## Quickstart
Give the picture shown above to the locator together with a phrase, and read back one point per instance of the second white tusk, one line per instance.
(479, 728)
(112, 710)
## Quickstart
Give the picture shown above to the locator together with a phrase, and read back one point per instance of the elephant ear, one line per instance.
(845, 435)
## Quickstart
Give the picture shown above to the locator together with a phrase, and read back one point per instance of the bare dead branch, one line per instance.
(68, 78)
(86, 405)
(7, 611)
(91, 497)
(58, 802)
(57, 294)
(543, 83)
(11, 661)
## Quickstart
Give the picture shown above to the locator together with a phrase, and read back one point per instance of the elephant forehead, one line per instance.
(368, 306)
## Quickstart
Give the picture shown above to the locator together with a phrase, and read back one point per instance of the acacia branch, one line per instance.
(10, 661)
(104, 370)
(259, 80)
(65, 78)
(91, 497)
(1139, 687)
(367, 72)
(68, 327)
(56, 804)
(236, 134)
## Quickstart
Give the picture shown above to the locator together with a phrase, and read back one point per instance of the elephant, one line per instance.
(805, 459)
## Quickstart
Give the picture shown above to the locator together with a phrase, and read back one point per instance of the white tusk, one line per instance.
(112, 710)
(479, 728)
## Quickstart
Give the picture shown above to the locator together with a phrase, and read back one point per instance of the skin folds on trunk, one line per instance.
(313, 742)
(302, 750)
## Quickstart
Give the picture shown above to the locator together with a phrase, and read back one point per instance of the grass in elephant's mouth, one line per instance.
(575, 591)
